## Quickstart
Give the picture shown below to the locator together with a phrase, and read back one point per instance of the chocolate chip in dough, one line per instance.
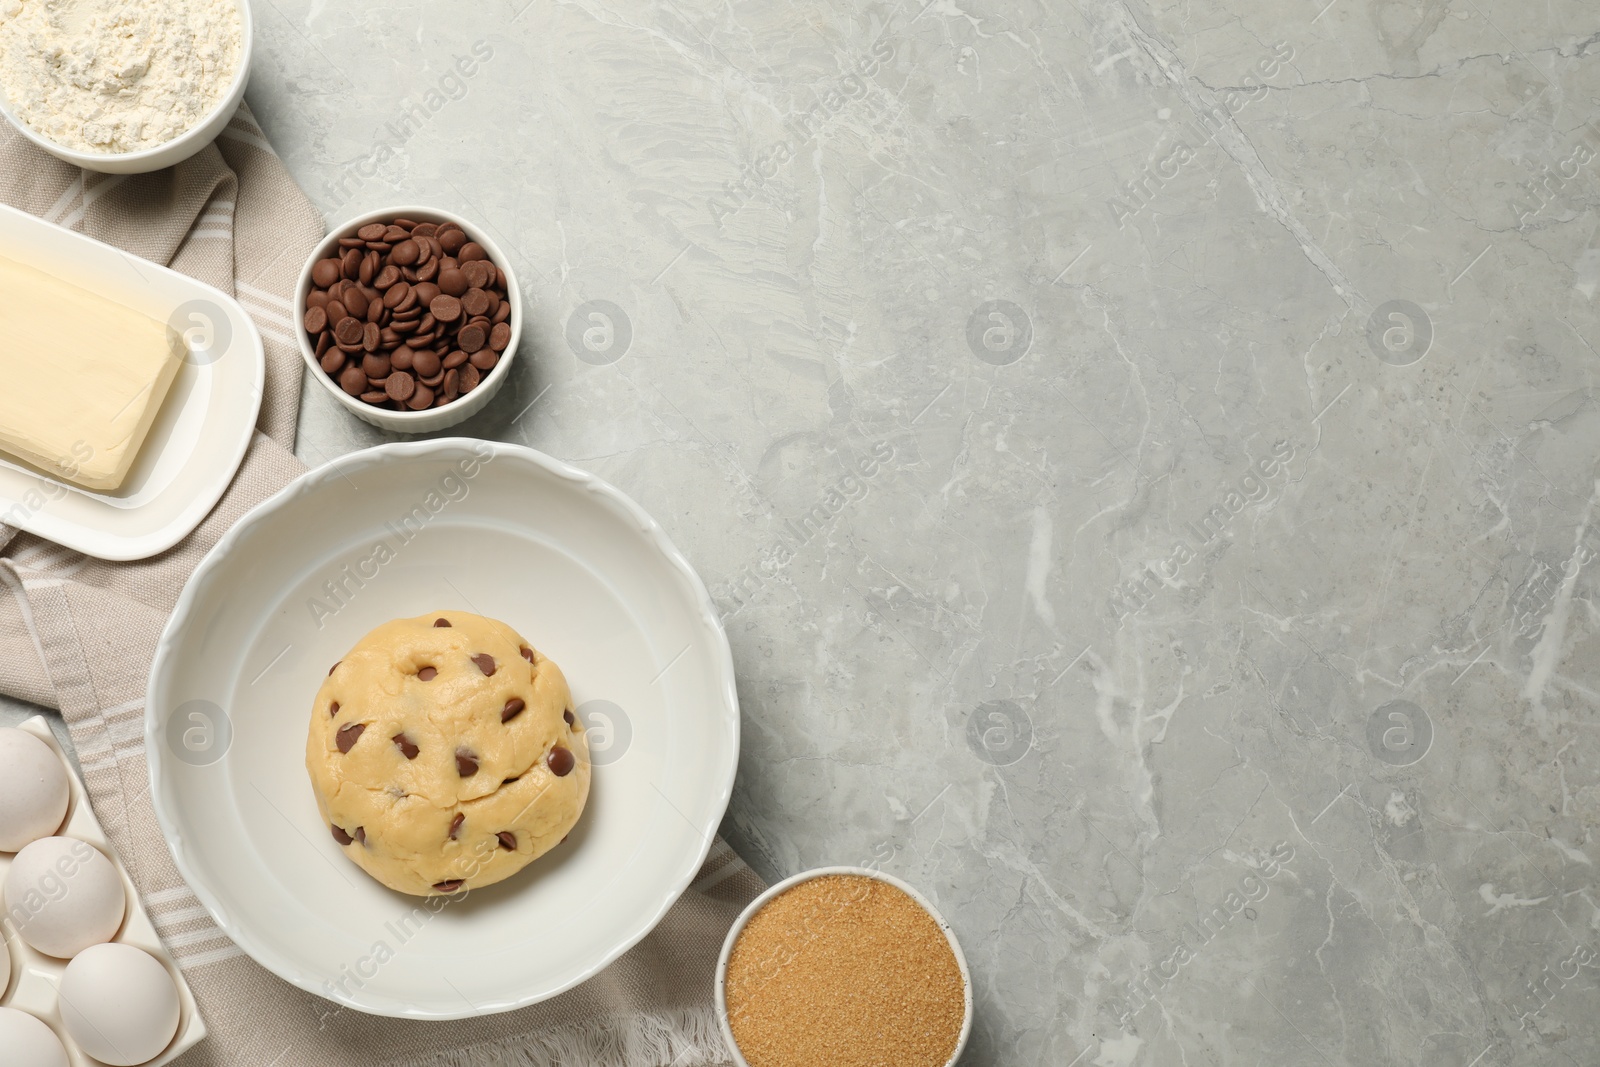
(507, 839)
(408, 749)
(426, 674)
(512, 709)
(527, 654)
(466, 763)
(567, 715)
(450, 885)
(334, 668)
(349, 735)
(441, 624)
(341, 837)
(333, 709)
(455, 825)
(485, 663)
(561, 761)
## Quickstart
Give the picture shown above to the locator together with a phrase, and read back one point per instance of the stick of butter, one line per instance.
(84, 377)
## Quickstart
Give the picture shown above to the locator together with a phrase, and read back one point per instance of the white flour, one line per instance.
(116, 75)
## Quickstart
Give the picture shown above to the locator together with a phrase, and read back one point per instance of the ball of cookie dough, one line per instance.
(445, 755)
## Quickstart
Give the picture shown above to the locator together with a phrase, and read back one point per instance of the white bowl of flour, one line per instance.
(123, 86)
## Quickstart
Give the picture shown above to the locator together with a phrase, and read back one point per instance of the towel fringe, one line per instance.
(662, 1039)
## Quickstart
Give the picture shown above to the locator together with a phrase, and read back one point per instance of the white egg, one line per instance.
(63, 895)
(33, 789)
(5, 966)
(119, 1004)
(29, 1042)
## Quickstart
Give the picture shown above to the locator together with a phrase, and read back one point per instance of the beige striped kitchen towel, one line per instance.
(78, 634)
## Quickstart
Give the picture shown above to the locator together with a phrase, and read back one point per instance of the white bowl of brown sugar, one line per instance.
(843, 966)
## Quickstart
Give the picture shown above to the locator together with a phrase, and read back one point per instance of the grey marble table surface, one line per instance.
(1145, 452)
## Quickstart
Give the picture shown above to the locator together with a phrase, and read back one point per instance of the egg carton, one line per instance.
(35, 977)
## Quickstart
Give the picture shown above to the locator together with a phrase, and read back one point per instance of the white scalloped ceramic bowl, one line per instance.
(172, 152)
(496, 529)
(820, 872)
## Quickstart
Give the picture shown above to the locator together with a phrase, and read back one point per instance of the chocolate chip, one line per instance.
(325, 272)
(425, 363)
(405, 253)
(512, 709)
(341, 837)
(372, 231)
(333, 709)
(316, 319)
(561, 761)
(484, 359)
(426, 674)
(500, 337)
(333, 668)
(474, 302)
(422, 398)
(361, 834)
(453, 282)
(451, 241)
(407, 748)
(349, 735)
(527, 654)
(441, 623)
(466, 763)
(471, 338)
(400, 385)
(449, 886)
(455, 825)
(353, 380)
(485, 663)
(567, 715)
(444, 309)
(508, 781)
(507, 839)
(470, 377)
(470, 251)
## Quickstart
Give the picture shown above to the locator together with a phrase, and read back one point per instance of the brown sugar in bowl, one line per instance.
(844, 966)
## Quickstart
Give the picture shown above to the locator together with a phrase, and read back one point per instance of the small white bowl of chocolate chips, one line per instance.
(409, 317)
